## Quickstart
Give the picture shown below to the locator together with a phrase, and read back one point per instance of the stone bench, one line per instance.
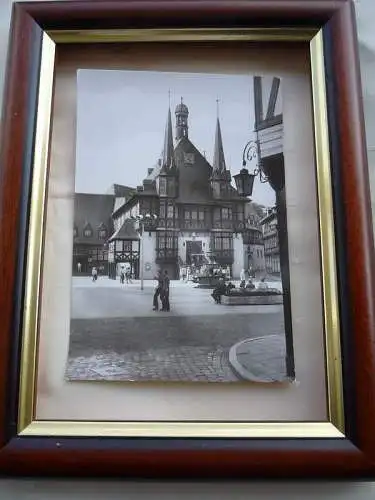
(252, 300)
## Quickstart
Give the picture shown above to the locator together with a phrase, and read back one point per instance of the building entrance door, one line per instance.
(193, 248)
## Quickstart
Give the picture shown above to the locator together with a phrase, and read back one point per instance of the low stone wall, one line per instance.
(251, 300)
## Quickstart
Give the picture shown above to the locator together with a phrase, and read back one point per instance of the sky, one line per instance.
(121, 117)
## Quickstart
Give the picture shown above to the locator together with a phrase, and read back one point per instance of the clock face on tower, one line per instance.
(189, 158)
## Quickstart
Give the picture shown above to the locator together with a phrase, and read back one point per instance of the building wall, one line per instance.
(150, 267)
(238, 252)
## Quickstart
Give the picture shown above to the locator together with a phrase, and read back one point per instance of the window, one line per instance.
(189, 159)
(170, 212)
(167, 240)
(194, 214)
(75, 232)
(225, 213)
(102, 232)
(87, 232)
(223, 241)
(162, 186)
(162, 209)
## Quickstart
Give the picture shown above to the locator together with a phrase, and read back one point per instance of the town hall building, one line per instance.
(185, 213)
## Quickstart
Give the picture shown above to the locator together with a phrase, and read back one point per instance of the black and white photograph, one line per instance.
(180, 268)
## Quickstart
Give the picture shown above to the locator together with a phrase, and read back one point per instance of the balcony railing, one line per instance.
(194, 224)
(233, 225)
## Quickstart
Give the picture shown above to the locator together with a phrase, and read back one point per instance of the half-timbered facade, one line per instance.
(191, 212)
(271, 243)
(253, 240)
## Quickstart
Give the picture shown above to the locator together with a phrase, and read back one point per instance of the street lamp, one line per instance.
(245, 180)
(143, 220)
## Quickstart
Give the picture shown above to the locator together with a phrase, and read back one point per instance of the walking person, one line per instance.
(94, 274)
(165, 292)
(122, 275)
(242, 278)
(158, 289)
(128, 276)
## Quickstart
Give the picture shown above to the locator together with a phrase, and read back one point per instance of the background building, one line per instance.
(253, 239)
(92, 227)
(271, 243)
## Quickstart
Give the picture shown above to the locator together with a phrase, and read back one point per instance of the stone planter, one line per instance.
(252, 300)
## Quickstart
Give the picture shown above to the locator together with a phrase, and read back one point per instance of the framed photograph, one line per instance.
(187, 254)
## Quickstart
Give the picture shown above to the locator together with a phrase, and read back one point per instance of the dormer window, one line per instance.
(87, 232)
(102, 232)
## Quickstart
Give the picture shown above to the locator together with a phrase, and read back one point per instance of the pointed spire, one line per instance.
(168, 151)
(219, 158)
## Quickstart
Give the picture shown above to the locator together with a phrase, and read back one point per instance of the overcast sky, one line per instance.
(121, 119)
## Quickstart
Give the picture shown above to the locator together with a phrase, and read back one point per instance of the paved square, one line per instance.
(115, 334)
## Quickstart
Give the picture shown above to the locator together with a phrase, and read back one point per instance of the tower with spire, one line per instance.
(182, 114)
(221, 179)
(167, 176)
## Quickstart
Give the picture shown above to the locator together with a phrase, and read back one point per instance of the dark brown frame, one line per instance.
(217, 458)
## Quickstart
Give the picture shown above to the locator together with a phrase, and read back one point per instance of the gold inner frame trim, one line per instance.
(28, 372)
(27, 425)
(327, 236)
(184, 429)
(184, 35)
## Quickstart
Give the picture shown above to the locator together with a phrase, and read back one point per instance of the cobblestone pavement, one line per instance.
(189, 344)
(189, 364)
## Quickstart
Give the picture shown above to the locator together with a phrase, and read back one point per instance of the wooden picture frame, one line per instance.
(343, 447)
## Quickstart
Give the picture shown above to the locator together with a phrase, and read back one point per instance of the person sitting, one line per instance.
(250, 285)
(218, 291)
(262, 285)
(242, 284)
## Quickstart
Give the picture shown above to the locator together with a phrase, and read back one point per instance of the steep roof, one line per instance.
(219, 158)
(272, 215)
(126, 232)
(121, 191)
(94, 211)
(168, 160)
